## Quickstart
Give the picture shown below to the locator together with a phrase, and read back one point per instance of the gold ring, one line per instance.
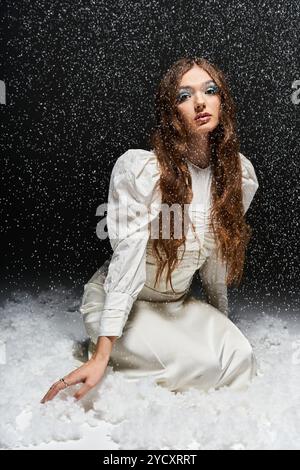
(64, 382)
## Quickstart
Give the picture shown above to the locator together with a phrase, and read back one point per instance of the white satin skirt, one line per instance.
(181, 342)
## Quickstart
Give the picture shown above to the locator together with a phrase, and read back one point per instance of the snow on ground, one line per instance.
(37, 338)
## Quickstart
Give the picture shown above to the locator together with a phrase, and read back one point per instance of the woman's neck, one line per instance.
(199, 152)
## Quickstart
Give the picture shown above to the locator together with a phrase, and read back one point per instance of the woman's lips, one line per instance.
(203, 119)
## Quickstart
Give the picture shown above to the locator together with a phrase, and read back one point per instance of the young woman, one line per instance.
(138, 309)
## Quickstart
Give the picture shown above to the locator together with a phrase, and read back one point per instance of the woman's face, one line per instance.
(198, 93)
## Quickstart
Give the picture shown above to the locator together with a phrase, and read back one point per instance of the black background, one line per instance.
(80, 80)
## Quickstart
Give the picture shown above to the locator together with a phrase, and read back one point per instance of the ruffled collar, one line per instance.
(198, 168)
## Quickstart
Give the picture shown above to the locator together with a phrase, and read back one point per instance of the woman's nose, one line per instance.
(199, 100)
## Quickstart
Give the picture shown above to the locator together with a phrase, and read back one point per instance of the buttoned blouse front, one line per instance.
(134, 189)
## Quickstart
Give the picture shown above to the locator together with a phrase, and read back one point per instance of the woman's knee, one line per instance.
(246, 359)
(246, 351)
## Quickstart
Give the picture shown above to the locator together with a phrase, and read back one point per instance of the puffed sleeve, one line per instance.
(133, 201)
(213, 277)
(249, 181)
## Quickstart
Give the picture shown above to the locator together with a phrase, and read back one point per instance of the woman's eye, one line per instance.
(212, 90)
(182, 96)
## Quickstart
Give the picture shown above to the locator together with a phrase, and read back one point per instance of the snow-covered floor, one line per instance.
(37, 338)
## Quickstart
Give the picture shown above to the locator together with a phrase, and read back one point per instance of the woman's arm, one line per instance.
(249, 181)
(133, 203)
(130, 210)
(104, 348)
(213, 277)
(213, 271)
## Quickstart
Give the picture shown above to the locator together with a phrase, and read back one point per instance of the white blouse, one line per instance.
(132, 190)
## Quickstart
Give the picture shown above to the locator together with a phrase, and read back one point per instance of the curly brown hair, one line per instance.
(169, 141)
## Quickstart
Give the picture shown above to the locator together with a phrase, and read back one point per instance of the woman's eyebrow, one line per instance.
(190, 87)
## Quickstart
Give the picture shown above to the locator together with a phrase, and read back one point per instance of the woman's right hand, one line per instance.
(90, 374)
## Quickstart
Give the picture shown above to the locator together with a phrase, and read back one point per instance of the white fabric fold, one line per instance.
(249, 181)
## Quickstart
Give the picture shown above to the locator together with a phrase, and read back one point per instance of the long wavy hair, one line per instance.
(169, 141)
